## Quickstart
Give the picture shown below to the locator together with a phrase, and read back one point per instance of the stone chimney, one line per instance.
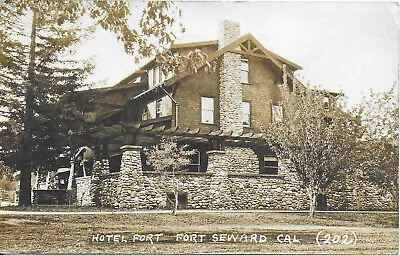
(228, 32)
(230, 88)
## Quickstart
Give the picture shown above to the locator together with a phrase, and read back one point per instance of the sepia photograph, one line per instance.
(197, 127)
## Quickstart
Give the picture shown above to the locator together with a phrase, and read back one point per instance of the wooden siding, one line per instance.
(261, 92)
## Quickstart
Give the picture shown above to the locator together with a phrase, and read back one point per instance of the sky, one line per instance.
(348, 47)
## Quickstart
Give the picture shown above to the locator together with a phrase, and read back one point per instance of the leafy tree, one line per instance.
(5, 171)
(7, 181)
(319, 139)
(38, 68)
(379, 160)
(167, 158)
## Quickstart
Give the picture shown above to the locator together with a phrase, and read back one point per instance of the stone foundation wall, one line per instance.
(109, 190)
(231, 182)
(149, 191)
(227, 185)
(83, 190)
(206, 191)
(354, 194)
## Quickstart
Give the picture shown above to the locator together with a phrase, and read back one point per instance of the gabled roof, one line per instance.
(193, 44)
(253, 48)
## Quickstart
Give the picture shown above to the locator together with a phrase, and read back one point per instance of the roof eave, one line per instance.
(194, 44)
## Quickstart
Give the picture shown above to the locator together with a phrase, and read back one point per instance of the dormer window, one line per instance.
(156, 76)
(244, 71)
(161, 107)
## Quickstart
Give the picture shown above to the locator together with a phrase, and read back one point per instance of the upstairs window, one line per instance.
(156, 75)
(277, 113)
(246, 114)
(270, 165)
(244, 71)
(149, 112)
(160, 108)
(207, 110)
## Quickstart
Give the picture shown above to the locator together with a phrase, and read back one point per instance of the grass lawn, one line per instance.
(201, 232)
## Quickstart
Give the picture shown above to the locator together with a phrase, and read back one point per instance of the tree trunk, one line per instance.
(71, 171)
(26, 143)
(176, 203)
(175, 189)
(312, 195)
(313, 205)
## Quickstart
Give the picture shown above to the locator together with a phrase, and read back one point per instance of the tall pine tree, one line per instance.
(38, 68)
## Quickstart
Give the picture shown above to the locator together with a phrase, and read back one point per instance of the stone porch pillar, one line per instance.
(100, 167)
(218, 164)
(131, 169)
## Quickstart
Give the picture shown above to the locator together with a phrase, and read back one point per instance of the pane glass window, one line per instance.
(270, 164)
(167, 106)
(277, 113)
(246, 114)
(207, 110)
(244, 71)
